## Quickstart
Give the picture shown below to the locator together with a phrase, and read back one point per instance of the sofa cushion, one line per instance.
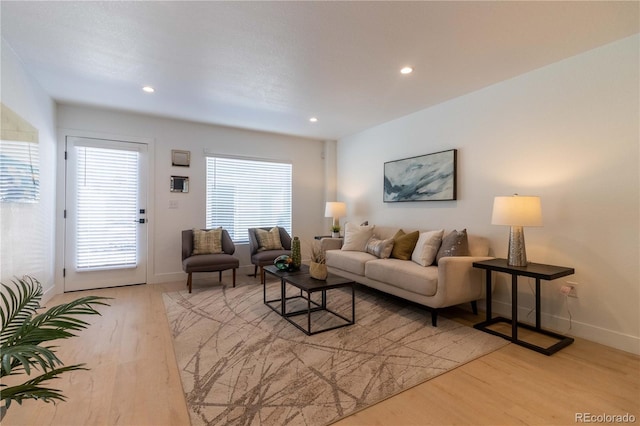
(350, 261)
(404, 274)
(454, 244)
(356, 237)
(403, 244)
(207, 241)
(427, 247)
(379, 248)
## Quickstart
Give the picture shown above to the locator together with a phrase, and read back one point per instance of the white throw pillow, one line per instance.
(427, 247)
(356, 237)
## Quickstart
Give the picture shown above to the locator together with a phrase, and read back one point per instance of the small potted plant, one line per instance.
(335, 231)
(318, 264)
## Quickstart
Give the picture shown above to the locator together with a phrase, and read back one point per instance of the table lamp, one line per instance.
(336, 210)
(517, 211)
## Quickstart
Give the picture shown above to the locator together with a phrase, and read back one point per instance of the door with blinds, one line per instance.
(105, 210)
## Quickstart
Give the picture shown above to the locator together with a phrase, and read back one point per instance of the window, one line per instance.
(19, 174)
(243, 194)
(107, 208)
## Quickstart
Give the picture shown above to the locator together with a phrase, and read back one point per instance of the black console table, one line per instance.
(534, 270)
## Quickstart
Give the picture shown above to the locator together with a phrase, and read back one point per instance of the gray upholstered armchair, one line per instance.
(262, 258)
(208, 262)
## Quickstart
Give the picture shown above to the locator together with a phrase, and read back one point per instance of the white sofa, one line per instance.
(451, 282)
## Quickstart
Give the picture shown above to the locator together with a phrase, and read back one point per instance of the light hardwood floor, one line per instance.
(134, 380)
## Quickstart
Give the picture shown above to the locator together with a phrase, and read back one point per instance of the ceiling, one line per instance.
(270, 66)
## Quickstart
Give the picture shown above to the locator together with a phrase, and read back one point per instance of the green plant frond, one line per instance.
(20, 307)
(82, 306)
(35, 392)
(31, 389)
(26, 357)
(56, 323)
(31, 335)
(23, 330)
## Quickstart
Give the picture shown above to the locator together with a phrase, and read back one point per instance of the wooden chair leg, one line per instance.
(255, 271)
(234, 277)
(262, 275)
(189, 282)
(220, 276)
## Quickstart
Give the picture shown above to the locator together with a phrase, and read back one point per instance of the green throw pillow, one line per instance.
(403, 244)
(269, 240)
(207, 242)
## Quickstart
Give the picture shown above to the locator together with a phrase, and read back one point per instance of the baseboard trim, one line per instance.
(561, 325)
(181, 276)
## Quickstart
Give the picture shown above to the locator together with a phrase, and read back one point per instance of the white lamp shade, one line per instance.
(517, 210)
(335, 209)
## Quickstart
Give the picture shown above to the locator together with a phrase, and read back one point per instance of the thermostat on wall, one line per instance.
(180, 158)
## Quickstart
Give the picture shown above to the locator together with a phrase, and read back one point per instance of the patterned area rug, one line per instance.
(241, 363)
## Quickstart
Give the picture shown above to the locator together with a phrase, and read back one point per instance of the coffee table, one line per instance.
(307, 286)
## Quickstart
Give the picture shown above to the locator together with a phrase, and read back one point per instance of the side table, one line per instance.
(534, 270)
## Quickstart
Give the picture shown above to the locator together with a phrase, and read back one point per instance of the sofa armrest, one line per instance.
(330, 244)
(459, 280)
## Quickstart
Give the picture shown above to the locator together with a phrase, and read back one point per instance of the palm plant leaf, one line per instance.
(20, 307)
(23, 331)
(57, 321)
(31, 389)
(19, 358)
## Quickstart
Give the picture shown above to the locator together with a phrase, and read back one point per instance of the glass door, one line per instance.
(105, 226)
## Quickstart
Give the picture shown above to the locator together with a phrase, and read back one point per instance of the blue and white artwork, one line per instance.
(430, 177)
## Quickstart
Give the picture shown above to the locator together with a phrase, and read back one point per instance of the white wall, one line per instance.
(165, 224)
(27, 230)
(567, 132)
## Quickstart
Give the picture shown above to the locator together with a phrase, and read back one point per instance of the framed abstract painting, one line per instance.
(430, 177)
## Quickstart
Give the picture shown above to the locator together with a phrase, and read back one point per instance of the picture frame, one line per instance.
(180, 158)
(429, 177)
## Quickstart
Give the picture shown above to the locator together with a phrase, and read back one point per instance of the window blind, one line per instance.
(19, 172)
(107, 203)
(243, 194)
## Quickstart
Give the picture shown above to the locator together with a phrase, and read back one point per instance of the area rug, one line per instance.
(243, 364)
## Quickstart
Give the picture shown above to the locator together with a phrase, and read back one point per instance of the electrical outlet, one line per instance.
(573, 289)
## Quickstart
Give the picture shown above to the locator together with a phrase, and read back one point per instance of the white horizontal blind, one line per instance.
(243, 194)
(107, 203)
(19, 172)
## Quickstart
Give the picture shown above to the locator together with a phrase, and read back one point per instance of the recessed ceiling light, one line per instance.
(313, 120)
(148, 89)
(406, 70)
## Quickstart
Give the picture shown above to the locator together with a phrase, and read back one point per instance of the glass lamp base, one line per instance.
(517, 252)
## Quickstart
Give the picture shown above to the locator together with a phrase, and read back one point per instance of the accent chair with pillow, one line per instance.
(208, 250)
(265, 245)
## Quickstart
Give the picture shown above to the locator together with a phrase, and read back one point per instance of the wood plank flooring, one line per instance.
(134, 380)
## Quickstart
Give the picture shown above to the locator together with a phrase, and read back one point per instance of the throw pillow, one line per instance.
(427, 247)
(356, 237)
(454, 244)
(207, 242)
(403, 244)
(269, 240)
(379, 248)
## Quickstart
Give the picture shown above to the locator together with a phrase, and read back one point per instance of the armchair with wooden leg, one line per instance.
(265, 244)
(208, 250)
